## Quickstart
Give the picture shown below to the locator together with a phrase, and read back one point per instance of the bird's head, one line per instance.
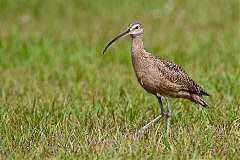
(133, 29)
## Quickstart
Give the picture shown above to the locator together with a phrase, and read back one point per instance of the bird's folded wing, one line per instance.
(177, 76)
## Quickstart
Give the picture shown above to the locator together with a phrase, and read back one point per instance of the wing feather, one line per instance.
(176, 75)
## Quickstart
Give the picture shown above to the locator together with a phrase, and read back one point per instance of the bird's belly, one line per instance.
(150, 84)
(154, 84)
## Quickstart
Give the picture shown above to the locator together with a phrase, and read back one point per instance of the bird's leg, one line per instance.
(161, 105)
(168, 114)
(156, 119)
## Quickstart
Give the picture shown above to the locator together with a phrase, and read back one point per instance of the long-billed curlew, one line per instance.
(160, 77)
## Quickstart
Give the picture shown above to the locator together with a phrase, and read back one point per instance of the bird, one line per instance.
(160, 77)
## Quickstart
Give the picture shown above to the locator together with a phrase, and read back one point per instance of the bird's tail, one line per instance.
(199, 99)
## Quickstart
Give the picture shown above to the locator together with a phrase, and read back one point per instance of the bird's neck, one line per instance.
(137, 45)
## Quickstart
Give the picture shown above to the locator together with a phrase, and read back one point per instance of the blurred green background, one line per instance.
(61, 98)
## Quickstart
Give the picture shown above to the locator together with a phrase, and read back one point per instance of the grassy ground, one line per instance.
(61, 98)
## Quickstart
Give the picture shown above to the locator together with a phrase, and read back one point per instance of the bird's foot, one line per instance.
(140, 132)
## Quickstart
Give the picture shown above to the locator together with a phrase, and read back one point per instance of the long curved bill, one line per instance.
(113, 40)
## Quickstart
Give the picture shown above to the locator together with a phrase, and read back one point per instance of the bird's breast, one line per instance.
(147, 76)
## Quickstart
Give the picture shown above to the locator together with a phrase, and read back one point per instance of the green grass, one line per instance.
(61, 98)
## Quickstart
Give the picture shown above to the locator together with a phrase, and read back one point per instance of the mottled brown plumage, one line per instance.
(158, 76)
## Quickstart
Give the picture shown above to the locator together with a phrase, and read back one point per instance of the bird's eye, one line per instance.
(137, 27)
